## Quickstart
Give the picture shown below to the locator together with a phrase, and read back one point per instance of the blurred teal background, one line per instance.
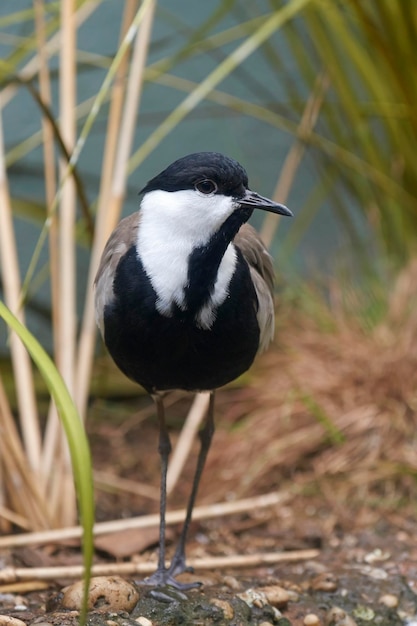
(267, 77)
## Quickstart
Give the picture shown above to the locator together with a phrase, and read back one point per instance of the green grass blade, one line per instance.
(76, 437)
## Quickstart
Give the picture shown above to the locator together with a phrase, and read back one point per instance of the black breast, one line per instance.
(163, 353)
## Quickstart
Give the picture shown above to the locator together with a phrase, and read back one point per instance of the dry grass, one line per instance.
(335, 410)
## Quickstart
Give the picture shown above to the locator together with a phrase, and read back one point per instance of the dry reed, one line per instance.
(11, 575)
(268, 500)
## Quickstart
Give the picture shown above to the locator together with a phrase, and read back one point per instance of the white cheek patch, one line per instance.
(172, 224)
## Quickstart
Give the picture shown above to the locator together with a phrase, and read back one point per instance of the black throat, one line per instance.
(204, 262)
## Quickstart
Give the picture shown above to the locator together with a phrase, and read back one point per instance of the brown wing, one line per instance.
(262, 273)
(121, 239)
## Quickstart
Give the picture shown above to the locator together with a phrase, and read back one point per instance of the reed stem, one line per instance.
(66, 331)
(114, 177)
(22, 368)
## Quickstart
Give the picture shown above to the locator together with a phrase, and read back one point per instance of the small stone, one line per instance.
(8, 598)
(293, 596)
(232, 583)
(253, 597)
(389, 600)
(143, 621)
(335, 615)
(377, 573)
(324, 582)
(364, 613)
(311, 619)
(8, 620)
(265, 624)
(275, 595)
(107, 593)
(338, 617)
(227, 608)
(376, 556)
(277, 615)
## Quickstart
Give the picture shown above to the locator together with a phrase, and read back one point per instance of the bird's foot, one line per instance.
(166, 578)
(167, 594)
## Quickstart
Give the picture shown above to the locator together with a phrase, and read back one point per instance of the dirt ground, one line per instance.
(359, 576)
(365, 571)
(327, 420)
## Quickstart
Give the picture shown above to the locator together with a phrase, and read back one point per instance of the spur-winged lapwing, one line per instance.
(184, 297)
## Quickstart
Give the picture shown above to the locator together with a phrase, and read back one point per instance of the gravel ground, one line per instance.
(363, 578)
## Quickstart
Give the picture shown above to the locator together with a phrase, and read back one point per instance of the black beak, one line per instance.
(252, 200)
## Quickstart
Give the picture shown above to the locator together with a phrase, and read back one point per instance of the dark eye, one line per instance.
(206, 186)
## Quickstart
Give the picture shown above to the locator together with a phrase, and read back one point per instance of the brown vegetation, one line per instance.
(332, 408)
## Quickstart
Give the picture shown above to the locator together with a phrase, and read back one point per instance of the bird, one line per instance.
(184, 300)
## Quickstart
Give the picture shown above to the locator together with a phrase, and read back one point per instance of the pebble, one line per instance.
(365, 613)
(338, 617)
(389, 600)
(232, 583)
(144, 621)
(108, 593)
(7, 620)
(374, 572)
(225, 606)
(324, 582)
(253, 597)
(335, 615)
(376, 556)
(10, 599)
(293, 596)
(275, 595)
(311, 619)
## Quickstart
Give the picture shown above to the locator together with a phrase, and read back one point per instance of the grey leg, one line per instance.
(206, 434)
(166, 576)
(164, 449)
